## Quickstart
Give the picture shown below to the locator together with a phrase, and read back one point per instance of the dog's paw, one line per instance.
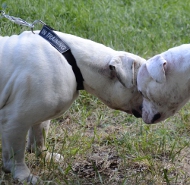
(55, 157)
(31, 179)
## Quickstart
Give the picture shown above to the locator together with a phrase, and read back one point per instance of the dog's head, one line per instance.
(123, 94)
(163, 87)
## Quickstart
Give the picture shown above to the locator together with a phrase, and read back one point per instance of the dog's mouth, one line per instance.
(136, 113)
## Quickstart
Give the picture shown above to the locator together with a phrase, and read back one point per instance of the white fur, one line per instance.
(38, 84)
(166, 84)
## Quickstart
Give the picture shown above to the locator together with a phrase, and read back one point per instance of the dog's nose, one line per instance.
(156, 117)
(136, 113)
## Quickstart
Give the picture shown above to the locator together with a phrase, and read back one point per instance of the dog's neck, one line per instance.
(92, 58)
(93, 61)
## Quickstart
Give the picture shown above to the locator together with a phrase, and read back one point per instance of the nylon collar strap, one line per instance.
(48, 34)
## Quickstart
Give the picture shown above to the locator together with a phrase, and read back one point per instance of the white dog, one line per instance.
(37, 84)
(164, 82)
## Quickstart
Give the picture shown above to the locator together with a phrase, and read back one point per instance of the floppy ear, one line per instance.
(123, 67)
(156, 68)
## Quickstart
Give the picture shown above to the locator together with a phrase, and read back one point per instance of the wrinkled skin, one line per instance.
(38, 84)
(164, 81)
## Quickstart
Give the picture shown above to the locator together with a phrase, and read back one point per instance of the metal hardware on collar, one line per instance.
(16, 20)
(48, 34)
(20, 21)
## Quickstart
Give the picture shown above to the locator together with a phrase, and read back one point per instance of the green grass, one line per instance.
(100, 145)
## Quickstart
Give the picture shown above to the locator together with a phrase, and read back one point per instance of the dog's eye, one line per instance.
(141, 93)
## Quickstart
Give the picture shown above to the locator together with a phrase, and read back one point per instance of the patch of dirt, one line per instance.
(104, 162)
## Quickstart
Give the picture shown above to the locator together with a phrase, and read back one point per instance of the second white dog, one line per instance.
(164, 81)
(37, 84)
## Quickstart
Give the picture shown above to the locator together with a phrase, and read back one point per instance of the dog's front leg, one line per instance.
(36, 142)
(13, 149)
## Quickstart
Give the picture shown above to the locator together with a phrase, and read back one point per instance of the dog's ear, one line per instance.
(156, 68)
(123, 67)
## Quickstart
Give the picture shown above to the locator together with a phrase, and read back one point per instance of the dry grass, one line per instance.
(113, 149)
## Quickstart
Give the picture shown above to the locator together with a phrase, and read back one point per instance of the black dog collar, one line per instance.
(48, 34)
